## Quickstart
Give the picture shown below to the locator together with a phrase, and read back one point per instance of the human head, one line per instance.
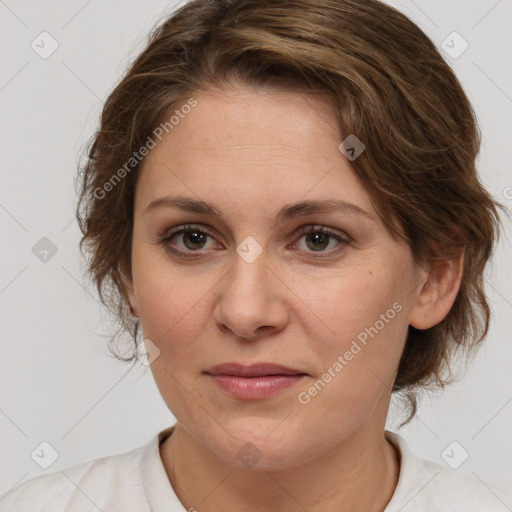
(387, 84)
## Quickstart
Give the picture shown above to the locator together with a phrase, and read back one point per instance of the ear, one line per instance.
(437, 293)
(130, 293)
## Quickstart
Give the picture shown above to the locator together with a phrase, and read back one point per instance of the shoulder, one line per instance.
(93, 485)
(455, 490)
(425, 486)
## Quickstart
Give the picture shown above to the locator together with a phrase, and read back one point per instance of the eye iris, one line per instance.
(196, 237)
(322, 238)
(316, 240)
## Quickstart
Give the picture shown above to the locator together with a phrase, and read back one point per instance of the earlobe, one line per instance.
(437, 294)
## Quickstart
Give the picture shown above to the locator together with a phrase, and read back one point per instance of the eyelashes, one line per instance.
(194, 238)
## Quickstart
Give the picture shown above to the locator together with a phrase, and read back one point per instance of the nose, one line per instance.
(252, 300)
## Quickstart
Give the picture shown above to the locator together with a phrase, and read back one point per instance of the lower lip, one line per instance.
(255, 388)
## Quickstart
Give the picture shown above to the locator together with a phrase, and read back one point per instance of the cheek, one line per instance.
(172, 315)
(355, 303)
(168, 295)
(365, 325)
(172, 312)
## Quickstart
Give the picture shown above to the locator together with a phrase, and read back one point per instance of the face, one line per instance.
(326, 294)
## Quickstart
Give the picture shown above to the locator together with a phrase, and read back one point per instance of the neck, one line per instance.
(360, 473)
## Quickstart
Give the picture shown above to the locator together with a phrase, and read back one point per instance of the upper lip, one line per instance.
(252, 370)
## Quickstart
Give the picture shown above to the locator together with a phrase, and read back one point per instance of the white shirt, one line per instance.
(136, 481)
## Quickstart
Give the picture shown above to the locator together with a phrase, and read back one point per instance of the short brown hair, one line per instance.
(388, 84)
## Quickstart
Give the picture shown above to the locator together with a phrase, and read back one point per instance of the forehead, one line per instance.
(264, 146)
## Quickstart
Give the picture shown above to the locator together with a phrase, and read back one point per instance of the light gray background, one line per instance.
(58, 382)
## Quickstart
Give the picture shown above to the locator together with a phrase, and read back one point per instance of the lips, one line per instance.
(253, 370)
(253, 382)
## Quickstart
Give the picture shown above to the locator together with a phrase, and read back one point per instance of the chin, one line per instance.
(257, 445)
(269, 456)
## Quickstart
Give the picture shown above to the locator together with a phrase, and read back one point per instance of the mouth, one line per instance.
(254, 382)
(253, 370)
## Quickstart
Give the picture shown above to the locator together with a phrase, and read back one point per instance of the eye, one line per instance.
(318, 238)
(193, 239)
(189, 239)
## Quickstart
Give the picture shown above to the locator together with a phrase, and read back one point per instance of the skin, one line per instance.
(251, 151)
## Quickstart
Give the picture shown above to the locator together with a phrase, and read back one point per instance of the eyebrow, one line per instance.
(289, 211)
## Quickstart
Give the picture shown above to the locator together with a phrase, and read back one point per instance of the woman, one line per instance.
(283, 195)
